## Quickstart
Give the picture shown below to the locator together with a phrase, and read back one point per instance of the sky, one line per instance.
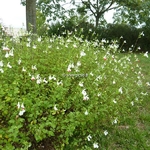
(12, 14)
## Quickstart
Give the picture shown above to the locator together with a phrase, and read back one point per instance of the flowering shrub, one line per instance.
(65, 92)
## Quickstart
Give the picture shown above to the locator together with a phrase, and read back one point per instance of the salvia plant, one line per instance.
(67, 92)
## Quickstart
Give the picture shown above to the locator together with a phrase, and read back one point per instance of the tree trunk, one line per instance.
(97, 21)
(31, 15)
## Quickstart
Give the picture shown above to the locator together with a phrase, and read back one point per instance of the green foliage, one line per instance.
(76, 26)
(66, 91)
(41, 24)
(136, 39)
(120, 32)
(133, 12)
(52, 9)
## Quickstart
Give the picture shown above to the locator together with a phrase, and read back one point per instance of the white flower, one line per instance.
(29, 39)
(7, 55)
(22, 111)
(38, 76)
(144, 93)
(34, 67)
(66, 45)
(11, 53)
(6, 49)
(39, 39)
(18, 105)
(114, 82)
(103, 41)
(28, 44)
(34, 46)
(78, 63)
(136, 98)
(146, 54)
(95, 145)
(86, 113)
(39, 80)
(121, 37)
(1, 63)
(85, 97)
(76, 68)
(82, 53)
(51, 77)
(114, 101)
(139, 48)
(132, 103)
(81, 84)
(29, 74)
(8, 65)
(105, 132)
(55, 108)
(99, 94)
(120, 90)
(74, 45)
(139, 83)
(115, 121)
(19, 61)
(104, 57)
(32, 78)
(59, 83)
(98, 78)
(148, 83)
(45, 81)
(91, 74)
(68, 41)
(1, 70)
(70, 66)
(89, 137)
(142, 33)
(84, 92)
(23, 69)
(22, 106)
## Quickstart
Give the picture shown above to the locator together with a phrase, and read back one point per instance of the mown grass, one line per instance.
(134, 134)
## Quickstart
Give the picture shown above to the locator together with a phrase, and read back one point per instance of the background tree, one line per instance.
(97, 8)
(134, 12)
(52, 9)
(30, 14)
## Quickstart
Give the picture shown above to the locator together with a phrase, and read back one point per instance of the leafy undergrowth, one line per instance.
(66, 93)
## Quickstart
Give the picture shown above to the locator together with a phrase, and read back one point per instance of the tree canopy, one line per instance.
(133, 12)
